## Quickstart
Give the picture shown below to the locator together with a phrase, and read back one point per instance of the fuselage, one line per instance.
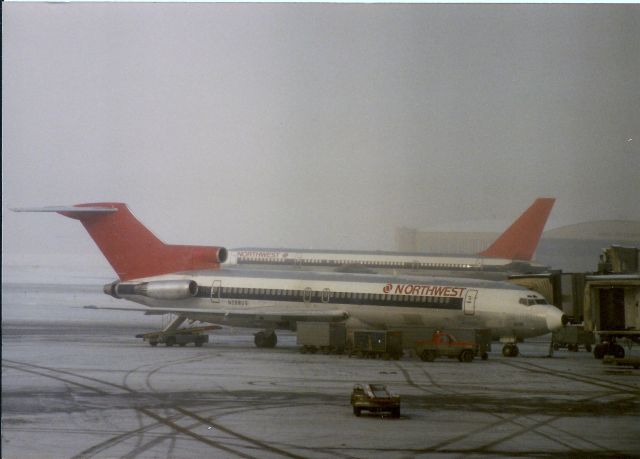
(382, 262)
(273, 299)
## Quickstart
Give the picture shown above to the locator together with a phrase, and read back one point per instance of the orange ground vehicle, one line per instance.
(445, 345)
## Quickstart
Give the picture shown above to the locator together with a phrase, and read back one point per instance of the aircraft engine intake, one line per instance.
(159, 290)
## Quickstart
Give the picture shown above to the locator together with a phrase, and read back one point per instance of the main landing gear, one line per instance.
(510, 350)
(265, 339)
(608, 348)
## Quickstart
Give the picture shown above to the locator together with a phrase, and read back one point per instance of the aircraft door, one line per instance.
(307, 294)
(216, 288)
(470, 302)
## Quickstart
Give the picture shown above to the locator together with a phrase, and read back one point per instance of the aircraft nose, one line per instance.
(555, 319)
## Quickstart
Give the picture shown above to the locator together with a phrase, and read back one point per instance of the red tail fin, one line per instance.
(132, 250)
(520, 240)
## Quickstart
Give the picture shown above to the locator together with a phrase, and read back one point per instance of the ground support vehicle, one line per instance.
(480, 336)
(324, 337)
(374, 398)
(572, 337)
(375, 344)
(443, 344)
(181, 337)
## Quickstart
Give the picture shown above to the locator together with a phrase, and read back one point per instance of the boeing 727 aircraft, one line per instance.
(511, 253)
(188, 281)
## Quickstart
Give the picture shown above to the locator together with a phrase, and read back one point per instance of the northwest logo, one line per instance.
(423, 290)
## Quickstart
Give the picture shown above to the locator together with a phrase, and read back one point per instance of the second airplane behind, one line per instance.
(511, 253)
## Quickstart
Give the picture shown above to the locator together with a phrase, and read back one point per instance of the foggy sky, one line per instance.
(324, 126)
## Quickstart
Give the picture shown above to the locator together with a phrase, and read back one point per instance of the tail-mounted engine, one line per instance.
(159, 290)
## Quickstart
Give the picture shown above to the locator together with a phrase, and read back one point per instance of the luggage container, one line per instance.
(375, 344)
(324, 337)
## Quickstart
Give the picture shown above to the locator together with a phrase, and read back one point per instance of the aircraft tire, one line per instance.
(263, 340)
(618, 351)
(170, 341)
(599, 351)
(271, 340)
(259, 339)
(510, 350)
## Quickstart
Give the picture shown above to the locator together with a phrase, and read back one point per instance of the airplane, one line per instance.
(188, 281)
(511, 253)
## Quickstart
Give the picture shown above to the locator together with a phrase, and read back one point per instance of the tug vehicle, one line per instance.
(181, 337)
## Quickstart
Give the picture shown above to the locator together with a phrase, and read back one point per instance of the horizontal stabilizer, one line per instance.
(67, 209)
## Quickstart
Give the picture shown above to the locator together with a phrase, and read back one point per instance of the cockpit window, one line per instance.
(532, 301)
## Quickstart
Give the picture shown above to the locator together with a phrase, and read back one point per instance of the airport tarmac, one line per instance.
(76, 383)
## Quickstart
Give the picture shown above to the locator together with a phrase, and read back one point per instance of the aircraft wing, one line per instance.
(259, 314)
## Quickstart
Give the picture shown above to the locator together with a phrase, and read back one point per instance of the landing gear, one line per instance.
(607, 348)
(510, 350)
(265, 339)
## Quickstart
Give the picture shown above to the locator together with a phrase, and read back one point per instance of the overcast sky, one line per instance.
(316, 125)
